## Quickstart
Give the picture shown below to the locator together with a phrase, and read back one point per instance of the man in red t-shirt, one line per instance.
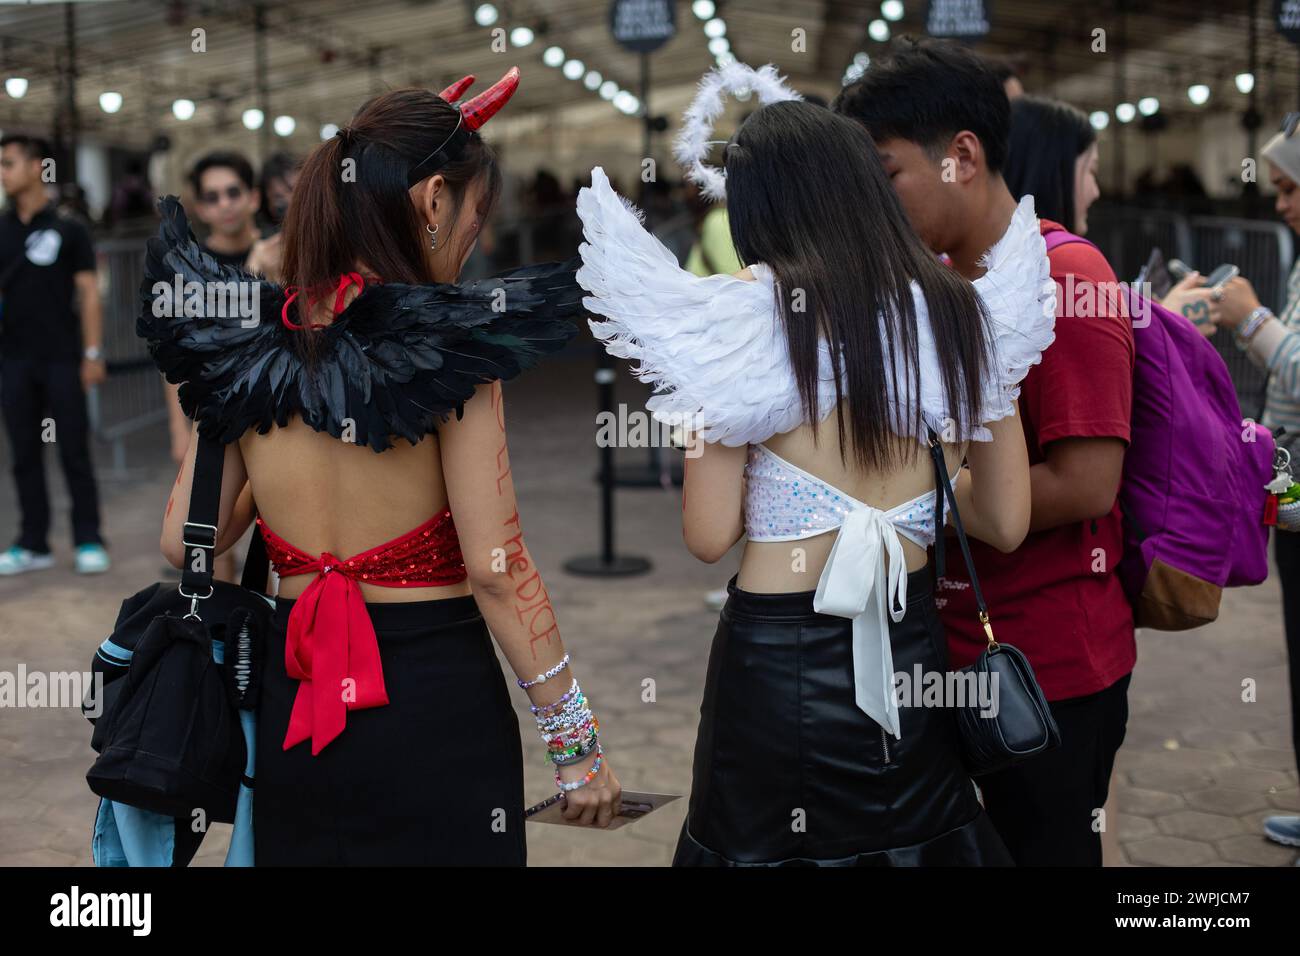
(1056, 598)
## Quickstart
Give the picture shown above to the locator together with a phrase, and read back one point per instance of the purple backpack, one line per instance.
(1193, 492)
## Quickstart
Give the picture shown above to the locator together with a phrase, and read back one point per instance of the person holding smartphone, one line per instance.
(1272, 342)
(1198, 301)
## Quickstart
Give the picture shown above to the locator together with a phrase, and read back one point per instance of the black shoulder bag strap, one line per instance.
(200, 532)
(942, 490)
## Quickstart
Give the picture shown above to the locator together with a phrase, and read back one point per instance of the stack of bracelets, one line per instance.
(570, 729)
(1246, 331)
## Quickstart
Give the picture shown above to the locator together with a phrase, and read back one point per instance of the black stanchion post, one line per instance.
(607, 563)
(643, 28)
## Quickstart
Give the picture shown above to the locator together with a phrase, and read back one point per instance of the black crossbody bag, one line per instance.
(167, 726)
(1021, 724)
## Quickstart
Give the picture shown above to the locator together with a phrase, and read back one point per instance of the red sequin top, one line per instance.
(331, 648)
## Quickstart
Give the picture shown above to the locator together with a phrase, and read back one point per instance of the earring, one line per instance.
(433, 235)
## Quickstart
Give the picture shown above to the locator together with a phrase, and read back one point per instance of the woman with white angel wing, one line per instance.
(805, 753)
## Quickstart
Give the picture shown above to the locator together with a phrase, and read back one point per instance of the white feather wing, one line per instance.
(714, 350)
(711, 346)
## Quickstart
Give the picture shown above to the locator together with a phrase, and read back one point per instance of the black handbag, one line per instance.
(1020, 725)
(180, 664)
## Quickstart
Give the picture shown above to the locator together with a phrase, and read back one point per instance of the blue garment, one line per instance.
(128, 836)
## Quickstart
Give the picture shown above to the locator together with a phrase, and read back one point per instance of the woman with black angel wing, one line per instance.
(385, 733)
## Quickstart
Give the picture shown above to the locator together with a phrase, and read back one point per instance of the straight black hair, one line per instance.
(807, 196)
(224, 159)
(33, 146)
(1047, 139)
(928, 91)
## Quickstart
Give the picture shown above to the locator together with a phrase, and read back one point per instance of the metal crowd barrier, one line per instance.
(1263, 250)
(132, 397)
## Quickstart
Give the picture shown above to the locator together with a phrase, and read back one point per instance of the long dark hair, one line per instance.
(1047, 139)
(808, 196)
(341, 212)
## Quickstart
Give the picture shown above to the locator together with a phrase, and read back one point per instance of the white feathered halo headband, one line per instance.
(692, 143)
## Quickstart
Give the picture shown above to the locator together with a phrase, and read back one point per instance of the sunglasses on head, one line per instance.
(213, 196)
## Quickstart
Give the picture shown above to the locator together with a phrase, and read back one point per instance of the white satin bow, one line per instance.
(858, 583)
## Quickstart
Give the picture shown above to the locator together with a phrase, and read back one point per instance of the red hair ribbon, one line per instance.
(350, 278)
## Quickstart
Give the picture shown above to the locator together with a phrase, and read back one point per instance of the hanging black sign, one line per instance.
(959, 19)
(1286, 14)
(643, 26)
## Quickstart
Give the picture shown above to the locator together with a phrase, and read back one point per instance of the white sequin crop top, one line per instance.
(785, 503)
(865, 576)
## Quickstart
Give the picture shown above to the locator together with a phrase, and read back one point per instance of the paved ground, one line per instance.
(1198, 772)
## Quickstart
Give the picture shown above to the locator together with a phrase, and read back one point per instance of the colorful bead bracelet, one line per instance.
(548, 710)
(590, 776)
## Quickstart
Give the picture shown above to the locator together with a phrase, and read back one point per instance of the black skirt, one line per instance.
(435, 777)
(789, 771)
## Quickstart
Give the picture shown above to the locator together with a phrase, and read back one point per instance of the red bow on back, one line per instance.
(332, 649)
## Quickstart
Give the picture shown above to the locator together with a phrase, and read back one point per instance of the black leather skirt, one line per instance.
(789, 771)
(402, 785)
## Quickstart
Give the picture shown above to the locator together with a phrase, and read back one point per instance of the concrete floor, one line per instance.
(1198, 772)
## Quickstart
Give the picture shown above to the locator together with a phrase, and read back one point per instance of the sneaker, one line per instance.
(91, 559)
(17, 560)
(1284, 830)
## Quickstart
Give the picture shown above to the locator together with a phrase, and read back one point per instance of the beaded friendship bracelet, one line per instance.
(577, 755)
(569, 729)
(543, 678)
(548, 710)
(574, 732)
(590, 775)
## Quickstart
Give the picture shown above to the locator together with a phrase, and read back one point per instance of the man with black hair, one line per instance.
(50, 353)
(940, 117)
(227, 201)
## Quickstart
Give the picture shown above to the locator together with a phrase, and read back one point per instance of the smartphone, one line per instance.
(1222, 275)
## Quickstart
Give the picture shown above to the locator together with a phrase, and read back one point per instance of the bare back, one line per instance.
(323, 494)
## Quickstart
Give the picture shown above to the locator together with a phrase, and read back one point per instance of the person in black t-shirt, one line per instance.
(49, 355)
(226, 201)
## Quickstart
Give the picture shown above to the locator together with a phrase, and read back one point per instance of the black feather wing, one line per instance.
(397, 361)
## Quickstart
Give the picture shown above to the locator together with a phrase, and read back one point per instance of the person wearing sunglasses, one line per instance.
(226, 202)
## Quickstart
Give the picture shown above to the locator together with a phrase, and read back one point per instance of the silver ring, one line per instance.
(1217, 295)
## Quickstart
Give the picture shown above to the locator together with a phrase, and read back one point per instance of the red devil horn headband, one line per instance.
(473, 115)
(452, 93)
(484, 106)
